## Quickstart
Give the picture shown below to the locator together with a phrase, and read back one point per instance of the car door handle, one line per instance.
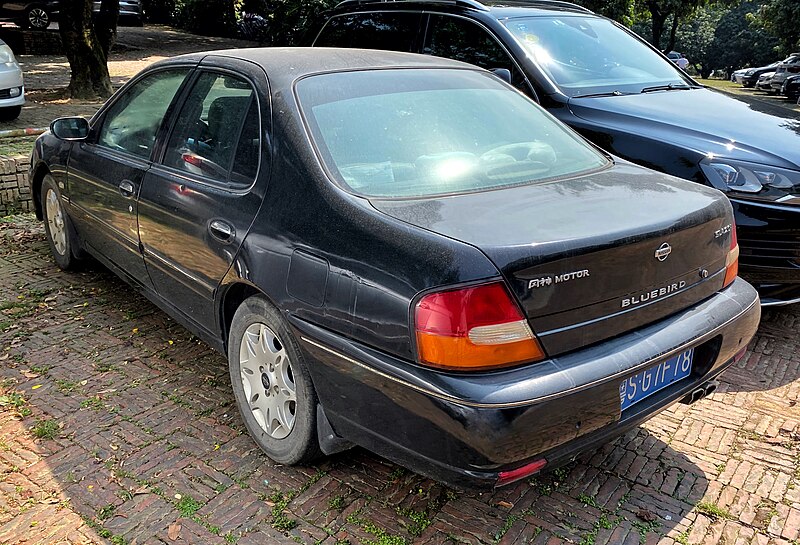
(221, 230)
(126, 188)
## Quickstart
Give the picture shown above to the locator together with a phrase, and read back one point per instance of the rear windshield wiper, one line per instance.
(670, 87)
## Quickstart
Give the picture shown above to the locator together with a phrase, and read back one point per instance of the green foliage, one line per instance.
(740, 41)
(45, 429)
(781, 17)
(188, 506)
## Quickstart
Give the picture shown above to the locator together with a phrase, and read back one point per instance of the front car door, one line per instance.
(462, 39)
(105, 172)
(198, 201)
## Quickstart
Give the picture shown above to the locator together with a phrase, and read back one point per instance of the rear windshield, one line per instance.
(421, 132)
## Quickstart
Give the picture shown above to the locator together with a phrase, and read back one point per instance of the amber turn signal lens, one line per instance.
(732, 261)
(473, 328)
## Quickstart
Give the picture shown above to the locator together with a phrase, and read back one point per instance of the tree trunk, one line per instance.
(659, 18)
(106, 25)
(88, 61)
(672, 31)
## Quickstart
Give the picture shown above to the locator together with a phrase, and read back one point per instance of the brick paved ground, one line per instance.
(116, 425)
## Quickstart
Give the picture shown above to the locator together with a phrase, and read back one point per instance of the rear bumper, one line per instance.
(464, 429)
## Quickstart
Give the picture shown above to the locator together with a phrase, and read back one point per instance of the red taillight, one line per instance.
(732, 261)
(473, 328)
(507, 477)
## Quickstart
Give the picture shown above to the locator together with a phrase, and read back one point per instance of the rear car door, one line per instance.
(105, 172)
(198, 202)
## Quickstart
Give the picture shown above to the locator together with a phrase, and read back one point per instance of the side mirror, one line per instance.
(70, 128)
(502, 73)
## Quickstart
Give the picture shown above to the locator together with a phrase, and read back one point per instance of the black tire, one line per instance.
(37, 18)
(63, 242)
(300, 445)
(10, 113)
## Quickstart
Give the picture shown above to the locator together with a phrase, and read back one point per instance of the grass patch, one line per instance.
(712, 511)
(16, 402)
(188, 506)
(337, 503)
(22, 145)
(65, 386)
(94, 403)
(280, 521)
(45, 429)
(106, 512)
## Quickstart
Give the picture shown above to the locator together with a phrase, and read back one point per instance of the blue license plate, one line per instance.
(658, 377)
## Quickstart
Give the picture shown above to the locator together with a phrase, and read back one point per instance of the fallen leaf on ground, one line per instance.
(647, 515)
(505, 504)
(174, 531)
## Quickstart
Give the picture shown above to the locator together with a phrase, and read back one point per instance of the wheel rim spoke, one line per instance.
(268, 380)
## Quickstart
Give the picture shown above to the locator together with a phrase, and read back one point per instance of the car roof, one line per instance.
(498, 8)
(284, 65)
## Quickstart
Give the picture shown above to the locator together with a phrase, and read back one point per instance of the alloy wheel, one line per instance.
(38, 18)
(268, 380)
(55, 222)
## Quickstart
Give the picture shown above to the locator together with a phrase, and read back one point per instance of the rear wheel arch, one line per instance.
(36, 188)
(232, 298)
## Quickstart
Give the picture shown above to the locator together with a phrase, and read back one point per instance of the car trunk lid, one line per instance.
(594, 256)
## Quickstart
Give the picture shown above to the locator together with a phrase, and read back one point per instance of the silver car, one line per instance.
(12, 89)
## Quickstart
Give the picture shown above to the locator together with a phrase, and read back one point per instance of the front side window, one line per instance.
(132, 122)
(219, 122)
(394, 31)
(588, 55)
(420, 132)
(464, 40)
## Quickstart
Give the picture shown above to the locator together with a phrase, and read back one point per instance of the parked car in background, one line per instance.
(36, 15)
(673, 56)
(750, 76)
(378, 242)
(130, 12)
(738, 75)
(791, 87)
(12, 87)
(787, 68)
(625, 96)
(764, 82)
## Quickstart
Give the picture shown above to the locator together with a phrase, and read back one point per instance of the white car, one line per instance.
(737, 76)
(12, 89)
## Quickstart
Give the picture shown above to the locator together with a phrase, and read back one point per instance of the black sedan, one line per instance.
(791, 87)
(751, 75)
(403, 253)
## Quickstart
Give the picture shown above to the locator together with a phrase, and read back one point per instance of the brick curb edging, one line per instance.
(15, 194)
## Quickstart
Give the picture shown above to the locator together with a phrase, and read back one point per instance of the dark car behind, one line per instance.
(622, 94)
(788, 67)
(791, 87)
(37, 14)
(403, 253)
(751, 75)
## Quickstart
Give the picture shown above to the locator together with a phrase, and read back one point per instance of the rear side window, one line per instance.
(218, 122)
(412, 133)
(395, 31)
